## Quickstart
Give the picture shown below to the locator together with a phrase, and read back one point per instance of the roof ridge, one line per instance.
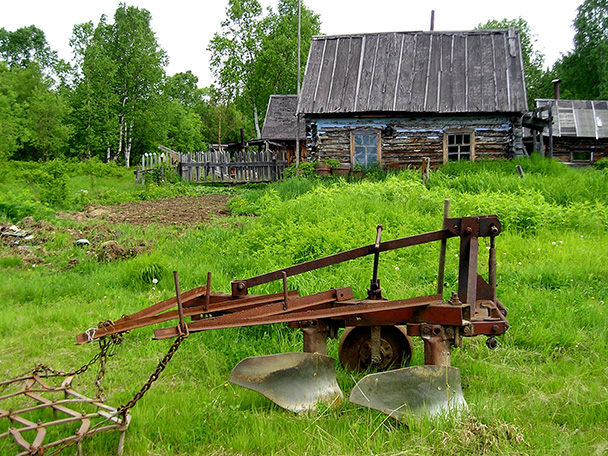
(424, 32)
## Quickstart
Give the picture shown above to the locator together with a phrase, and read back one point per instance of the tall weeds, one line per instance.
(543, 391)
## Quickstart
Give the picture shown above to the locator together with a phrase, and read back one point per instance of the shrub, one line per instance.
(52, 183)
(602, 163)
(306, 169)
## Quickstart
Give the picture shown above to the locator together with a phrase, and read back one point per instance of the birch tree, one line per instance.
(121, 69)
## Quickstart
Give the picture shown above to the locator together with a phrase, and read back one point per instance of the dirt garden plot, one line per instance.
(168, 211)
(27, 237)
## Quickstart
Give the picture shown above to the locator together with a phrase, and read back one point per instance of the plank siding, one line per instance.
(404, 90)
(349, 89)
(458, 66)
(340, 75)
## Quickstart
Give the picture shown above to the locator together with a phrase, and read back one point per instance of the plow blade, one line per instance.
(418, 390)
(294, 381)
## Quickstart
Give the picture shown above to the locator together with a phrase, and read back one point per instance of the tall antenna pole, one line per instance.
(298, 88)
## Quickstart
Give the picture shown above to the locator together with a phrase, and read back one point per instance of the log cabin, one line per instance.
(394, 100)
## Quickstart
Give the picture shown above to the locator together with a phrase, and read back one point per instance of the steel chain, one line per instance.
(122, 410)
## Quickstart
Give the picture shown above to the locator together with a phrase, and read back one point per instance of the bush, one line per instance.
(52, 182)
(306, 169)
(602, 163)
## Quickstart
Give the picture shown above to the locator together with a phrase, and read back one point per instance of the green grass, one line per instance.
(543, 391)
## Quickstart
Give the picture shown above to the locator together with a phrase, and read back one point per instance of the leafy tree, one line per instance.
(234, 53)
(8, 116)
(24, 46)
(94, 99)
(222, 121)
(584, 71)
(49, 133)
(533, 60)
(121, 69)
(33, 116)
(183, 88)
(255, 54)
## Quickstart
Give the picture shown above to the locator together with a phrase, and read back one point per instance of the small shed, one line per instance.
(392, 99)
(579, 129)
(280, 125)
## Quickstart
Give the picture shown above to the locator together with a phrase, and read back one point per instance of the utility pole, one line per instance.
(298, 88)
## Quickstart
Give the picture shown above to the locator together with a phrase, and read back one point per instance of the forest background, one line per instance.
(114, 101)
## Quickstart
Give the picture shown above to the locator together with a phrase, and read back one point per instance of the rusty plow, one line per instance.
(377, 331)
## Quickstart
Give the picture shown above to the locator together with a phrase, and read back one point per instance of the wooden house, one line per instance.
(392, 99)
(280, 123)
(579, 130)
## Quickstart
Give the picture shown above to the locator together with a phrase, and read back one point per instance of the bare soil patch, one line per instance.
(183, 210)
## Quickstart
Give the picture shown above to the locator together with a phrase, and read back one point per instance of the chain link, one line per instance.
(122, 410)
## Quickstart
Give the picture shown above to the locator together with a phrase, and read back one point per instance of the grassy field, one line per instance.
(544, 391)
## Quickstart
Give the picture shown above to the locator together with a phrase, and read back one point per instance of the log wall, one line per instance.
(406, 140)
(563, 147)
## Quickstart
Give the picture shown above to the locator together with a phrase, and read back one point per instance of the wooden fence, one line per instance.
(219, 166)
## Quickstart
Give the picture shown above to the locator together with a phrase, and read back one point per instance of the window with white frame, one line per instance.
(365, 148)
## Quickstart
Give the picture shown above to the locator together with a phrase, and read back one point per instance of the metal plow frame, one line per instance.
(37, 390)
(473, 310)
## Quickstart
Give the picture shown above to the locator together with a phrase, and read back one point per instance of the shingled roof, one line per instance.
(280, 121)
(579, 118)
(417, 72)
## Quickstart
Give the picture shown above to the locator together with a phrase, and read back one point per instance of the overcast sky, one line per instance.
(184, 27)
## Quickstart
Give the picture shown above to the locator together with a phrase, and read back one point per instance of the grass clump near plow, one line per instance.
(543, 391)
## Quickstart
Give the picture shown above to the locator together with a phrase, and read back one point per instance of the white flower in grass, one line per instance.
(396, 268)
(554, 243)
(519, 263)
(154, 281)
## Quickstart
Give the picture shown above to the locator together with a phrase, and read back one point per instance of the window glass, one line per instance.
(581, 155)
(459, 146)
(366, 150)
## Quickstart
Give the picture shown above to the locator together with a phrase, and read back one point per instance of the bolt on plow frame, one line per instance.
(378, 330)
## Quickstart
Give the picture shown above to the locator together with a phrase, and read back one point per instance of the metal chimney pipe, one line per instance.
(556, 88)
(432, 20)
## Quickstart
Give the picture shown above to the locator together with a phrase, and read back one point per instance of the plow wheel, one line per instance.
(355, 350)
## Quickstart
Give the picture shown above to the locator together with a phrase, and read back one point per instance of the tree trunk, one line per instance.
(219, 128)
(121, 126)
(128, 143)
(256, 121)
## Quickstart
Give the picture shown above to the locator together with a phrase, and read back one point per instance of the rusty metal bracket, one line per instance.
(374, 291)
